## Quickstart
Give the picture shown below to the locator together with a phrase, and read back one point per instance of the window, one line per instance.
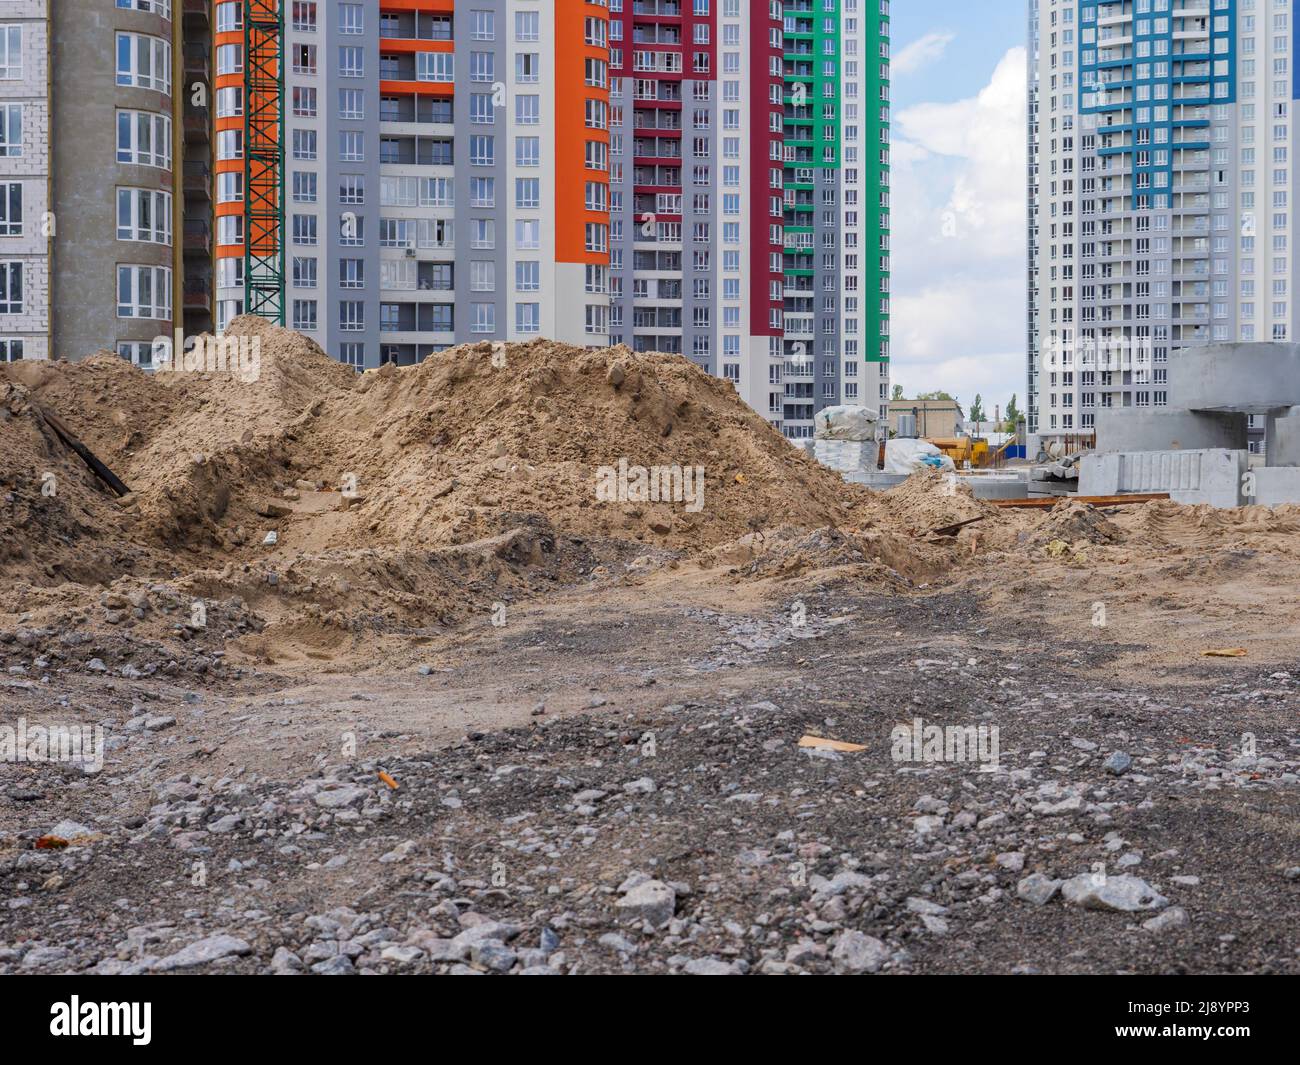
(304, 57)
(485, 318)
(352, 103)
(143, 138)
(352, 188)
(11, 288)
(144, 215)
(230, 58)
(11, 130)
(230, 16)
(528, 276)
(352, 230)
(482, 150)
(305, 184)
(144, 292)
(304, 229)
(11, 53)
(528, 110)
(230, 102)
(230, 144)
(482, 276)
(528, 317)
(230, 229)
(304, 314)
(304, 101)
(352, 147)
(352, 316)
(528, 233)
(157, 7)
(11, 209)
(527, 67)
(352, 273)
(528, 151)
(527, 26)
(528, 193)
(351, 61)
(436, 66)
(352, 19)
(144, 62)
(11, 349)
(304, 16)
(304, 272)
(304, 143)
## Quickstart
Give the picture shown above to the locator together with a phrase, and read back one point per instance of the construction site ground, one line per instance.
(525, 733)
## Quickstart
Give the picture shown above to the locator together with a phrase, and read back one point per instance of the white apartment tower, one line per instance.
(1160, 214)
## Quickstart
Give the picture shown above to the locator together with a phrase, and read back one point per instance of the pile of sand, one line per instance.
(399, 500)
(403, 500)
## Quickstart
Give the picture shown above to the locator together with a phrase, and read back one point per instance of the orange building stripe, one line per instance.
(403, 44)
(425, 7)
(420, 88)
(572, 134)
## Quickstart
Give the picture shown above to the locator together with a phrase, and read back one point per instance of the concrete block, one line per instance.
(1275, 485)
(1211, 476)
(1149, 429)
(1283, 441)
(998, 487)
(1254, 378)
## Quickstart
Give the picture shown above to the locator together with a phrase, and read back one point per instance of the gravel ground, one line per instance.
(635, 799)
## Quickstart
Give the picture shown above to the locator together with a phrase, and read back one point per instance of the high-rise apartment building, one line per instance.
(1164, 130)
(836, 199)
(707, 177)
(103, 150)
(445, 172)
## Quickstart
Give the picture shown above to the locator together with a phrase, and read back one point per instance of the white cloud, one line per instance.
(958, 239)
(921, 52)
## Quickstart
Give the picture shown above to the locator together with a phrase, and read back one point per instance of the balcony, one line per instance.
(198, 125)
(197, 180)
(198, 294)
(198, 236)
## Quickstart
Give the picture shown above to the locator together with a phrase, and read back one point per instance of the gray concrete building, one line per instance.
(104, 103)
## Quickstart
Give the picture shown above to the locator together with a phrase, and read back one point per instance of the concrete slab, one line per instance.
(1151, 429)
(1283, 441)
(1211, 476)
(1254, 378)
(1275, 485)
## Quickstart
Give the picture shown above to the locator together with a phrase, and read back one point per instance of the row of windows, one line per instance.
(142, 291)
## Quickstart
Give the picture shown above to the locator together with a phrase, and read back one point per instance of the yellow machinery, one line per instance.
(965, 451)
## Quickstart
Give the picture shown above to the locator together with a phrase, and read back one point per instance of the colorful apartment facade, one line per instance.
(707, 177)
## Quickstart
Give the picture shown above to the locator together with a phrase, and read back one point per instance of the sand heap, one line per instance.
(406, 499)
(400, 499)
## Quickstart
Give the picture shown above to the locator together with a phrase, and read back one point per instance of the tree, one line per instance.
(977, 409)
(897, 393)
(937, 396)
(1013, 415)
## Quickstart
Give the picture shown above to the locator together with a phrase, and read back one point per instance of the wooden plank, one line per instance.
(87, 456)
(1047, 502)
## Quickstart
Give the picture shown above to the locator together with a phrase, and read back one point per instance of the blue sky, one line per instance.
(958, 197)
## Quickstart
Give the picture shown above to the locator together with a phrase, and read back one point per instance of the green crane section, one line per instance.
(264, 159)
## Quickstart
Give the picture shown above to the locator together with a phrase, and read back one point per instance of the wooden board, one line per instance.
(1047, 502)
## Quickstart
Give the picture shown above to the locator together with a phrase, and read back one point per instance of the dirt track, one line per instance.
(687, 773)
